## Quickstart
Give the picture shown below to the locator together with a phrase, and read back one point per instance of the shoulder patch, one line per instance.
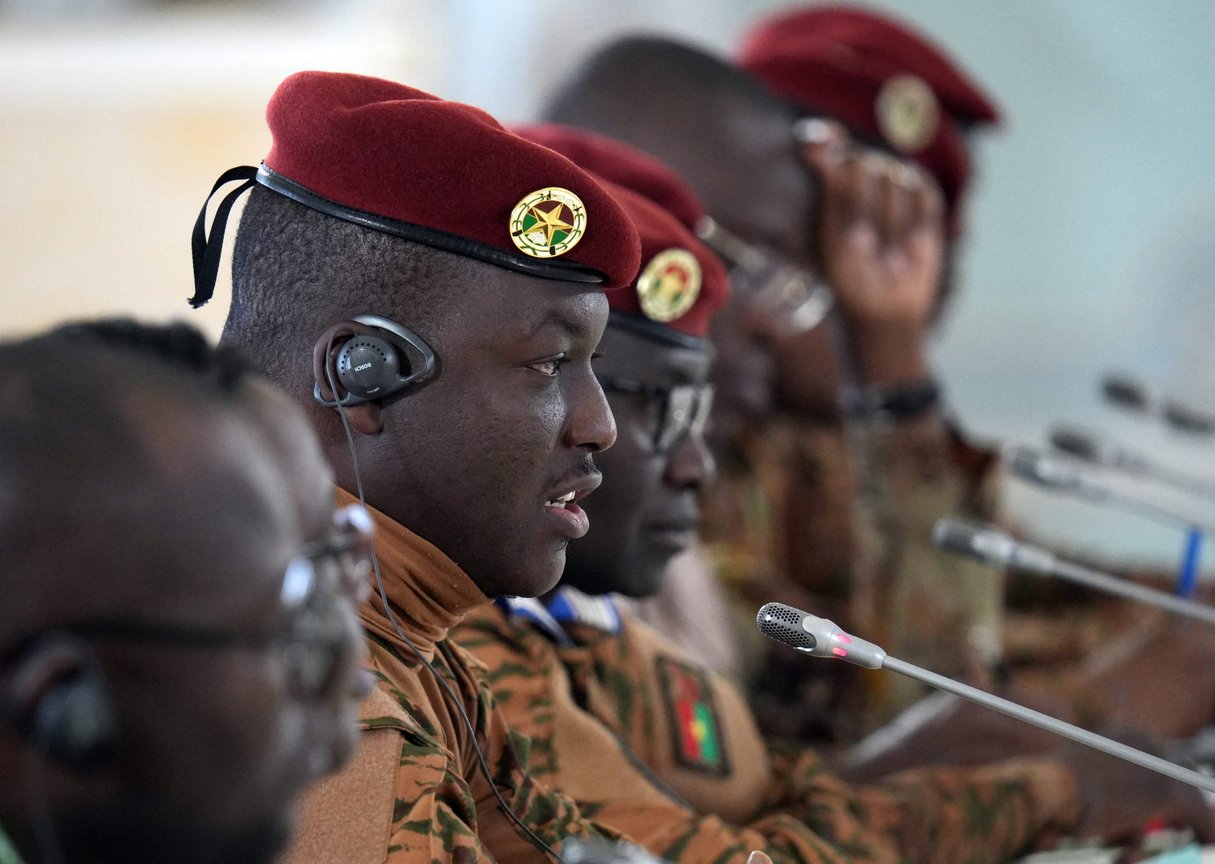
(695, 725)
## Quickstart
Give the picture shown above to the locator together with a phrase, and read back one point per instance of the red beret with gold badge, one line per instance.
(447, 175)
(681, 283)
(883, 80)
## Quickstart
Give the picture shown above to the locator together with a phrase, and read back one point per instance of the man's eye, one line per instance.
(549, 366)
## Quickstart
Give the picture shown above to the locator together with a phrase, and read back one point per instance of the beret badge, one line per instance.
(907, 113)
(547, 223)
(669, 284)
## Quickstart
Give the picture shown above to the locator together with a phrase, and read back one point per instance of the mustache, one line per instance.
(582, 469)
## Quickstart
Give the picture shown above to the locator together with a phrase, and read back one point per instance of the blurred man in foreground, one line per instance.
(179, 655)
(431, 287)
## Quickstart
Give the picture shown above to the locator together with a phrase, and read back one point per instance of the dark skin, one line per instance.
(646, 511)
(511, 420)
(878, 239)
(214, 746)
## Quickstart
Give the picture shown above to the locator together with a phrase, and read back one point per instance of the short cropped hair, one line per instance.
(296, 271)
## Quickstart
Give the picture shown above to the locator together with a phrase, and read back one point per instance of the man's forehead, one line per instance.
(650, 362)
(553, 308)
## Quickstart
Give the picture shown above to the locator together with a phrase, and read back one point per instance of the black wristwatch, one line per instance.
(904, 401)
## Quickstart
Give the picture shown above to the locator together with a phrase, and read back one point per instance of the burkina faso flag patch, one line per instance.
(695, 724)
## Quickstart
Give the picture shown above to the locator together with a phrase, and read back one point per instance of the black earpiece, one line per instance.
(71, 720)
(371, 366)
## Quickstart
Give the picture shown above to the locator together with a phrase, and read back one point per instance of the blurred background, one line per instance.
(1089, 246)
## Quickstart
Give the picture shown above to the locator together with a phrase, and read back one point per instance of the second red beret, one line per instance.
(681, 282)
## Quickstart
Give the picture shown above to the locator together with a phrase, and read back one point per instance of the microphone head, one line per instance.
(991, 546)
(1188, 419)
(1126, 392)
(978, 541)
(1029, 464)
(784, 624)
(816, 636)
(1076, 442)
(1094, 449)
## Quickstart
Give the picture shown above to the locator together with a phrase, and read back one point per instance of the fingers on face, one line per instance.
(928, 204)
(893, 196)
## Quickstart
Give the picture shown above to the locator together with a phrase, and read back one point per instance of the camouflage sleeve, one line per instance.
(923, 605)
(397, 801)
(549, 816)
(937, 815)
(580, 755)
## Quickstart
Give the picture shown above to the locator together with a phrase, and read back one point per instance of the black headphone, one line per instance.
(74, 722)
(375, 365)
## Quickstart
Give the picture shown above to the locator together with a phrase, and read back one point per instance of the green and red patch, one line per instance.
(694, 720)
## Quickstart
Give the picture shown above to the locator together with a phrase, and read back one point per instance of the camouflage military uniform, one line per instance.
(693, 730)
(839, 521)
(413, 792)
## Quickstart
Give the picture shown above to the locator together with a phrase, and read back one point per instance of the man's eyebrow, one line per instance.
(573, 328)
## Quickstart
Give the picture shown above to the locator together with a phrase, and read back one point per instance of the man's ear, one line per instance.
(366, 418)
(56, 700)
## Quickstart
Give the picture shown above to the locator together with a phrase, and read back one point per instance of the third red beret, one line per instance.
(884, 80)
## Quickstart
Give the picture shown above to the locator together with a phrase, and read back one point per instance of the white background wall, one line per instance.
(1090, 243)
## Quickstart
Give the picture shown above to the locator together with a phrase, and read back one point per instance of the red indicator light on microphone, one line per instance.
(839, 652)
(844, 637)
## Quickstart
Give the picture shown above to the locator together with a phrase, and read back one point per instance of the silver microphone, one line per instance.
(1050, 472)
(1127, 392)
(997, 549)
(820, 638)
(1096, 450)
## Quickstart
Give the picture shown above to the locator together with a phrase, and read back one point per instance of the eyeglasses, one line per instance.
(676, 411)
(792, 293)
(312, 634)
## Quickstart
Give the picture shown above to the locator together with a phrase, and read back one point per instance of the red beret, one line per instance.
(394, 159)
(681, 283)
(623, 165)
(882, 79)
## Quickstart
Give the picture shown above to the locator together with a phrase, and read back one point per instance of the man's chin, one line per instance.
(534, 581)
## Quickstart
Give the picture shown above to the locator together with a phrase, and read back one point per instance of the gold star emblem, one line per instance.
(548, 222)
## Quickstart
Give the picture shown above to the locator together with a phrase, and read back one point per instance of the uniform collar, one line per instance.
(565, 606)
(536, 613)
(571, 606)
(428, 592)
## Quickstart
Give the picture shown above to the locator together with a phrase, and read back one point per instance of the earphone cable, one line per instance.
(483, 763)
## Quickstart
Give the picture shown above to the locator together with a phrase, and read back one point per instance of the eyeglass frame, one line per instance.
(671, 427)
(301, 587)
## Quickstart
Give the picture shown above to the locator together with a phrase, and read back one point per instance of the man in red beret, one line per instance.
(870, 227)
(896, 91)
(431, 287)
(598, 692)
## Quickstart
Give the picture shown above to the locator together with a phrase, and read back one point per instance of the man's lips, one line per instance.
(570, 519)
(673, 533)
